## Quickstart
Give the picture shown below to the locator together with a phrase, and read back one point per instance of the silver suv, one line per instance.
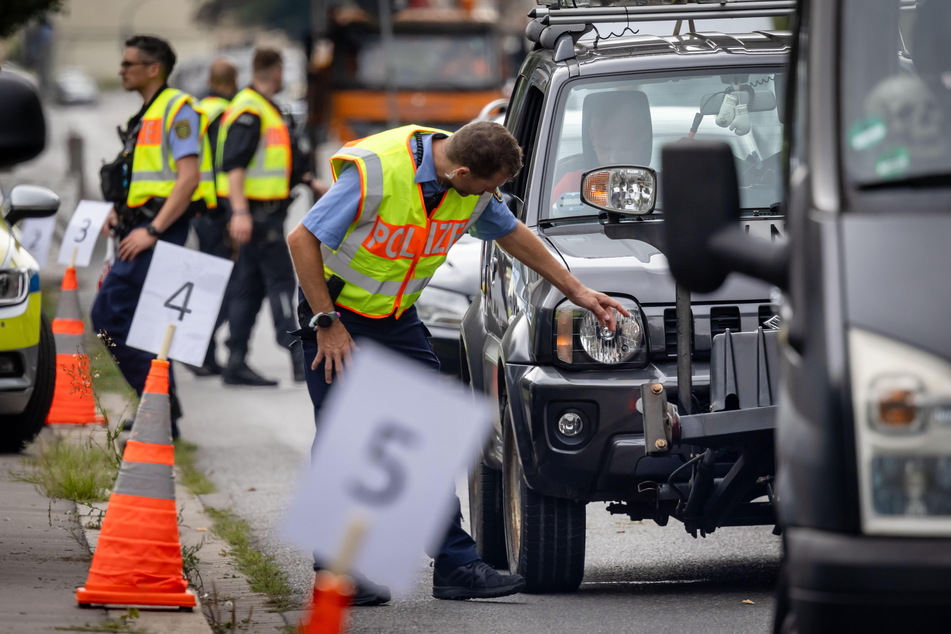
(598, 92)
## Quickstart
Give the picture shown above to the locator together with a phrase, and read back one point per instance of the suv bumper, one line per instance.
(607, 459)
(837, 580)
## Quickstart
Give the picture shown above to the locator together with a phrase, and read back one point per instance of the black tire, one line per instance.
(486, 520)
(544, 536)
(16, 430)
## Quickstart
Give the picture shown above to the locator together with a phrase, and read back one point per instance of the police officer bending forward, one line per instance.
(367, 249)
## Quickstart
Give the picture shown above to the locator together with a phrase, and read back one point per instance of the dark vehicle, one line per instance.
(864, 416)
(27, 348)
(571, 429)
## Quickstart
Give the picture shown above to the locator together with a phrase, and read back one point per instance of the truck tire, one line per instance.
(486, 520)
(16, 430)
(544, 536)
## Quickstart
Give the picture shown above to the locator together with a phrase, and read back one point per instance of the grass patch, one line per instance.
(191, 476)
(125, 624)
(263, 574)
(80, 471)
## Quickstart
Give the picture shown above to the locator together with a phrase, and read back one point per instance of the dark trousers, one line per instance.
(409, 336)
(211, 228)
(112, 313)
(263, 269)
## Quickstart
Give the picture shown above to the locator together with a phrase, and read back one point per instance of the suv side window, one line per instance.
(525, 131)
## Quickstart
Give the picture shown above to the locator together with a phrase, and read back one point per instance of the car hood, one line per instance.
(637, 269)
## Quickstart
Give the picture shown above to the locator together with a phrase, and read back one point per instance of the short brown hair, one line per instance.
(266, 59)
(486, 148)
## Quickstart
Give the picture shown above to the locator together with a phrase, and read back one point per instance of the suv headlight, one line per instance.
(902, 402)
(14, 286)
(579, 339)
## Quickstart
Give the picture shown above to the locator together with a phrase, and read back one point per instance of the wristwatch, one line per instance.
(324, 320)
(152, 231)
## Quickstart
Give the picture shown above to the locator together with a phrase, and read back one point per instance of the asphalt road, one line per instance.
(254, 443)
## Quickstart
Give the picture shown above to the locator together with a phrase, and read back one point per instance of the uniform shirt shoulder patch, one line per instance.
(497, 195)
(183, 129)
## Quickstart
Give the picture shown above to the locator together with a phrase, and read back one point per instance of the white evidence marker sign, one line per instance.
(82, 232)
(183, 287)
(37, 236)
(391, 440)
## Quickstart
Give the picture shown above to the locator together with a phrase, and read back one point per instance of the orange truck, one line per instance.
(440, 68)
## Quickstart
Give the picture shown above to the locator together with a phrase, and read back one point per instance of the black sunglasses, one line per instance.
(125, 64)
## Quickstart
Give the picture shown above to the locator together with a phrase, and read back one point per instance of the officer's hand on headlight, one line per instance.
(135, 243)
(240, 228)
(601, 305)
(334, 348)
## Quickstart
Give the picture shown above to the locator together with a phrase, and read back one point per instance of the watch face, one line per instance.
(324, 321)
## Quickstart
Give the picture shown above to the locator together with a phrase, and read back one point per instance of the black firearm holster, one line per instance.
(131, 217)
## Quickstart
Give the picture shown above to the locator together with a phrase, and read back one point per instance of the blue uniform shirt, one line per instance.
(330, 216)
(183, 139)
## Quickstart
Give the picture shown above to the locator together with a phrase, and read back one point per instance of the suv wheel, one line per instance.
(16, 430)
(545, 536)
(486, 520)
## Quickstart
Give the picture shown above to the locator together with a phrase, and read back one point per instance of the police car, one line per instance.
(27, 349)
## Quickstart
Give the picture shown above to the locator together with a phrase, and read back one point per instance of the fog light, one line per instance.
(570, 424)
(10, 365)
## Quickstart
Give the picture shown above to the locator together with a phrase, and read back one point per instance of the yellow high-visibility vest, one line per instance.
(215, 106)
(268, 176)
(153, 167)
(392, 249)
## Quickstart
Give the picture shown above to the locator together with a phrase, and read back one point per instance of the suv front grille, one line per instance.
(670, 332)
(710, 321)
(723, 317)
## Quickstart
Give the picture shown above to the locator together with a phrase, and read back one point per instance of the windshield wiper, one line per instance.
(550, 222)
(925, 180)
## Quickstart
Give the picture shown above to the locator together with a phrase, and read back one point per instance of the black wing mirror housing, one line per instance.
(704, 241)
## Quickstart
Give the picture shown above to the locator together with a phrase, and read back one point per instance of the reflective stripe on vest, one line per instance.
(268, 175)
(393, 247)
(153, 168)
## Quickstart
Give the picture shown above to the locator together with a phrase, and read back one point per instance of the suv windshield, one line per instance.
(897, 94)
(626, 120)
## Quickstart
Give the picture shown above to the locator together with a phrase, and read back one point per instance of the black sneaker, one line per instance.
(475, 580)
(369, 593)
(243, 375)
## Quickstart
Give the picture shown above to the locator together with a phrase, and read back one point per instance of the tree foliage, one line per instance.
(16, 14)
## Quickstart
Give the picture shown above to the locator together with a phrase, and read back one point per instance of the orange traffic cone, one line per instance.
(328, 612)
(138, 560)
(73, 401)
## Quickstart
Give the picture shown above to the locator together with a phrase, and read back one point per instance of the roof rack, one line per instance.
(559, 25)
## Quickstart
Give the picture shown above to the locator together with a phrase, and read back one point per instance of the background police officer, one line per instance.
(261, 161)
(211, 225)
(170, 177)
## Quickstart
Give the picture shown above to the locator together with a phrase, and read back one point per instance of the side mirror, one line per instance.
(22, 125)
(30, 201)
(704, 241)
